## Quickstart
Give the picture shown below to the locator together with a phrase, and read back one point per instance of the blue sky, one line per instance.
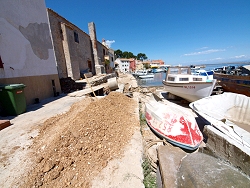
(176, 31)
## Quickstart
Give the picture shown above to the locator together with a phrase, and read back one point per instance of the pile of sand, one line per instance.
(72, 148)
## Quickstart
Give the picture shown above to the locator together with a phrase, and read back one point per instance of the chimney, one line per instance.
(92, 33)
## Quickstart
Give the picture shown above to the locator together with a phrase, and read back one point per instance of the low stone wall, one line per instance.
(225, 148)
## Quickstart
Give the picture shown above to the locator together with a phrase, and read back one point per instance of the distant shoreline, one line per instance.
(223, 63)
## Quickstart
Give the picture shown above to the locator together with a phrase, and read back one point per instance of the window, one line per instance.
(76, 37)
(197, 79)
(171, 79)
(183, 79)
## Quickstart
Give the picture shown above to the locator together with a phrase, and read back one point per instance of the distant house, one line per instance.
(132, 66)
(76, 52)
(148, 64)
(156, 63)
(124, 64)
(139, 65)
(26, 49)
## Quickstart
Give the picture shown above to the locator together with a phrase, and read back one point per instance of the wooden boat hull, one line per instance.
(176, 125)
(234, 83)
(191, 91)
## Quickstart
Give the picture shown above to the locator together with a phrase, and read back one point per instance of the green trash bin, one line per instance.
(12, 99)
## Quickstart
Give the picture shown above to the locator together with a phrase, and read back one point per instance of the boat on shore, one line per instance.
(232, 79)
(186, 85)
(229, 113)
(174, 123)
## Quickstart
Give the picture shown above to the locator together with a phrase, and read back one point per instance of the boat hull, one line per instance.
(146, 76)
(229, 113)
(177, 126)
(191, 91)
(234, 83)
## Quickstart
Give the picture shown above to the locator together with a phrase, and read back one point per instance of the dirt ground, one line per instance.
(72, 148)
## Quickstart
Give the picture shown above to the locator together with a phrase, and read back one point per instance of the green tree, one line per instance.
(118, 53)
(128, 55)
(107, 64)
(146, 65)
(141, 56)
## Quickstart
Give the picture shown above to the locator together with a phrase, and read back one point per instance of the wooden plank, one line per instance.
(4, 124)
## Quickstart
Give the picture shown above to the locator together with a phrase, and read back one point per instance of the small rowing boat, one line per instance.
(174, 123)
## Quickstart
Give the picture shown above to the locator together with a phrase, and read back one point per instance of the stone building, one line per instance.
(76, 52)
(26, 49)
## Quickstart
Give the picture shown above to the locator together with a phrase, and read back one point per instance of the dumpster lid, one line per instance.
(12, 86)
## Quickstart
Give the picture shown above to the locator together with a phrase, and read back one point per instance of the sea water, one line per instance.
(157, 80)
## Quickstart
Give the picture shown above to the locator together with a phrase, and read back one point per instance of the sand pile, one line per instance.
(72, 148)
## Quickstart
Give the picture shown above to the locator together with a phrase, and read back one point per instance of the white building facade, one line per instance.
(123, 64)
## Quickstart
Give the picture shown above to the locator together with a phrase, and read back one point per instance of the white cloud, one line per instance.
(109, 43)
(239, 56)
(205, 52)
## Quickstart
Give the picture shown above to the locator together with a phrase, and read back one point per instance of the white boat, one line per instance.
(140, 72)
(229, 113)
(188, 86)
(174, 123)
(149, 75)
(202, 72)
(158, 70)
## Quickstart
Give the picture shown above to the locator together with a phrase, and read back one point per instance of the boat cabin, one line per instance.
(183, 75)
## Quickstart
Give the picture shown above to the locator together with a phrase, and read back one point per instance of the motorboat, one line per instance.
(181, 82)
(174, 123)
(140, 72)
(203, 72)
(158, 70)
(149, 75)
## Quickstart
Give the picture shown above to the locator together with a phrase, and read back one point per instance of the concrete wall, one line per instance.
(26, 48)
(228, 149)
(71, 57)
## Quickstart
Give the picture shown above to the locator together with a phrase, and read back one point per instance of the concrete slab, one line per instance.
(228, 149)
(201, 170)
(169, 158)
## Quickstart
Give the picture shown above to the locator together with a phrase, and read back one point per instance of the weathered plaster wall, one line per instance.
(25, 43)
(26, 48)
(71, 57)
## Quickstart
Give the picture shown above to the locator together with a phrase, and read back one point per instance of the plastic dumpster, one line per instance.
(12, 99)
